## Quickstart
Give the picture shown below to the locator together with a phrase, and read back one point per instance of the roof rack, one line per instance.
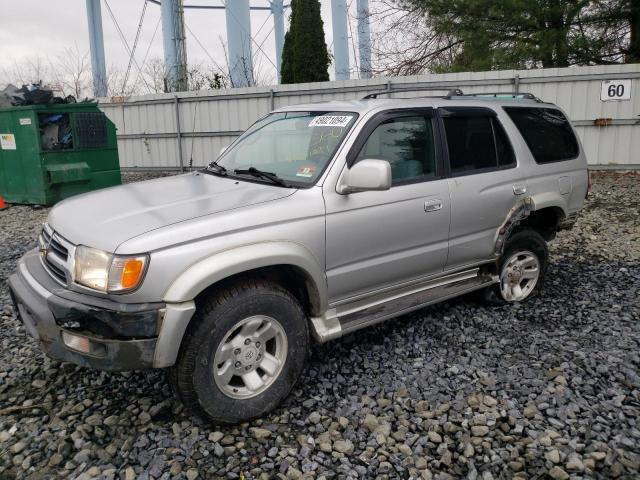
(400, 90)
(457, 93)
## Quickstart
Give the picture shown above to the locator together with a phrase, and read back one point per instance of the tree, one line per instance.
(456, 35)
(631, 11)
(403, 44)
(28, 71)
(305, 57)
(68, 74)
(72, 73)
(201, 77)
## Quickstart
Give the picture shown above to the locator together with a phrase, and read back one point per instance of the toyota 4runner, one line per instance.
(319, 220)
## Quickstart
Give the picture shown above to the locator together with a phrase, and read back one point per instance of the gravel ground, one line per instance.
(549, 387)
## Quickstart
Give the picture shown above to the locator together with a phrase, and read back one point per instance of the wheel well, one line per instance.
(292, 278)
(545, 221)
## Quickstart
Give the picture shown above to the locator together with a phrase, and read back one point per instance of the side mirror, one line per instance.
(366, 175)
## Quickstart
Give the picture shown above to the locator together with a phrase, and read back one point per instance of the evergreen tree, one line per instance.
(305, 57)
(502, 34)
(631, 12)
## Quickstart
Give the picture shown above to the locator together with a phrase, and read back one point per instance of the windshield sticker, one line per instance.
(306, 172)
(330, 121)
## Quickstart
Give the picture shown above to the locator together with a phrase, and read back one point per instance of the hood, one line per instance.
(106, 218)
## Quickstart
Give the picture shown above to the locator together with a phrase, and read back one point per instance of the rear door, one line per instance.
(485, 181)
(383, 238)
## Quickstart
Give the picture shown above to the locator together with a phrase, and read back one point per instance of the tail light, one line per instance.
(589, 184)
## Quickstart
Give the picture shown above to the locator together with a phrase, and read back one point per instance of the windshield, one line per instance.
(294, 146)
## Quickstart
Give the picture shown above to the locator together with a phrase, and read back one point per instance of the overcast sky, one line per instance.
(32, 28)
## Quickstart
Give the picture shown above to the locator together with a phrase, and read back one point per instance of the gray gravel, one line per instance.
(549, 387)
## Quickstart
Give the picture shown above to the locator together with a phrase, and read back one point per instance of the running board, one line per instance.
(347, 318)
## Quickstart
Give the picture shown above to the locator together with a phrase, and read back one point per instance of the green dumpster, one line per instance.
(50, 152)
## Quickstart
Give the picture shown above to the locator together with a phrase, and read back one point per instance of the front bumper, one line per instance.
(113, 336)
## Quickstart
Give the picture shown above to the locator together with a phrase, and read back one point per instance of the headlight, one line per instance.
(107, 272)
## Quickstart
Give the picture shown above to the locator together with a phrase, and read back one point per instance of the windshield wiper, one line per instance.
(254, 172)
(217, 169)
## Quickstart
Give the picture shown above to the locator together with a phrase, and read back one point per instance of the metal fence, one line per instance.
(172, 131)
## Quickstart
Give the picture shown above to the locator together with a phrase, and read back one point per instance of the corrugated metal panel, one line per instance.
(148, 152)
(617, 145)
(215, 115)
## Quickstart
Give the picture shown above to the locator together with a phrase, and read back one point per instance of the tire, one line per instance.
(524, 262)
(222, 359)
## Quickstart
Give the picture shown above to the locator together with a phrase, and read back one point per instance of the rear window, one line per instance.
(547, 132)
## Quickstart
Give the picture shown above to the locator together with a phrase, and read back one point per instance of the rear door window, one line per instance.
(547, 133)
(476, 141)
(504, 150)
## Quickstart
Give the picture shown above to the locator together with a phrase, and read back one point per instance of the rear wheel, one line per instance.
(242, 354)
(521, 267)
(519, 275)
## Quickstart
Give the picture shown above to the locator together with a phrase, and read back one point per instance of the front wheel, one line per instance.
(242, 355)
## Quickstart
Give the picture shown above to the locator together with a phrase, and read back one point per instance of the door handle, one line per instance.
(519, 189)
(432, 205)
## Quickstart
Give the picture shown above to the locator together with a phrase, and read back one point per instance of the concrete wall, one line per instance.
(148, 135)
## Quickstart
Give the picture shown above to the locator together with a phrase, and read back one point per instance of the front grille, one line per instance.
(55, 255)
(55, 245)
(56, 272)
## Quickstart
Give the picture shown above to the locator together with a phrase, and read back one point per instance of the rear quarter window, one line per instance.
(547, 132)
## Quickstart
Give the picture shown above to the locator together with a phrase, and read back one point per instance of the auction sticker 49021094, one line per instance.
(330, 121)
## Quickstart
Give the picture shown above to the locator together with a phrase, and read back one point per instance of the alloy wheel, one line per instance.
(250, 357)
(519, 276)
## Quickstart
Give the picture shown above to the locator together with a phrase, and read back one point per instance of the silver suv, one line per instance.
(319, 220)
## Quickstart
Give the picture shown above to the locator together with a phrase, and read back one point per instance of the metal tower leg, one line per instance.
(238, 18)
(173, 39)
(277, 9)
(96, 43)
(340, 39)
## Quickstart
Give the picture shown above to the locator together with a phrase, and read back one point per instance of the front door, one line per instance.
(381, 239)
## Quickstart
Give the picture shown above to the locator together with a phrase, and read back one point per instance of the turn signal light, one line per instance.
(126, 273)
(131, 273)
